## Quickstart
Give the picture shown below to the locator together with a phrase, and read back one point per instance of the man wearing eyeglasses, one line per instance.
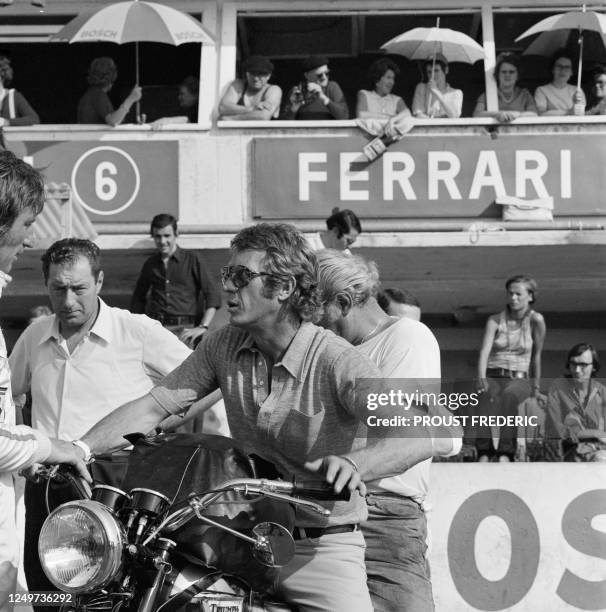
(316, 98)
(294, 392)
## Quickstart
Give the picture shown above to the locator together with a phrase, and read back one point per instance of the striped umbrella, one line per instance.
(135, 21)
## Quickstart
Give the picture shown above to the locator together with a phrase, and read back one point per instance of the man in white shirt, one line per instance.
(21, 201)
(403, 349)
(79, 364)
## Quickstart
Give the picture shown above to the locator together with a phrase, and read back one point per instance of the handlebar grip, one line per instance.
(322, 491)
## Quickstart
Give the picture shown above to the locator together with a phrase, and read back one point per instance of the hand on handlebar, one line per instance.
(339, 473)
(66, 452)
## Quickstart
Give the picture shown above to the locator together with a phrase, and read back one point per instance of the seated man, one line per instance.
(316, 98)
(252, 98)
(575, 407)
(295, 394)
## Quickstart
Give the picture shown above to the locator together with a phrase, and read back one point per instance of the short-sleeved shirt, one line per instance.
(522, 101)
(549, 98)
(119, 360)
(382, 106)
(183, 287)
(94, 106)
(309, 413)
(424, 101)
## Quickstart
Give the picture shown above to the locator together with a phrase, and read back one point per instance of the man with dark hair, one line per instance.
(78, 364)
(182, 294)
(21, 200)
(294, 393)
(399, 303)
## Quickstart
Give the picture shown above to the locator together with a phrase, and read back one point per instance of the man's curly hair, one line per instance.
(287, 256)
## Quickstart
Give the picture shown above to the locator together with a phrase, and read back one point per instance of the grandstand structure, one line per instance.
(428, 205)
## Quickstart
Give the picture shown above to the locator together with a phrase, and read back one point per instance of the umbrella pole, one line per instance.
(580, 59)
(138, 103)
(433, 66)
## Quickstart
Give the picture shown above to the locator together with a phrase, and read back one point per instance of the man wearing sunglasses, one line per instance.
(316, 98)
(294, 392)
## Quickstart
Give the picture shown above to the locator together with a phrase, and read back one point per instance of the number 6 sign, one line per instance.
(105, 180)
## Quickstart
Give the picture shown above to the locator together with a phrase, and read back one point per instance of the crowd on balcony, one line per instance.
(318, 95)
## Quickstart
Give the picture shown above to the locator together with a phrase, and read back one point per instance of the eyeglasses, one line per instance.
(240, 276)
(321, 75)
(563, 66)
(579, 364)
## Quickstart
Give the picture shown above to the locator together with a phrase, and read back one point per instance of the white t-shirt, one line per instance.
(407, 349)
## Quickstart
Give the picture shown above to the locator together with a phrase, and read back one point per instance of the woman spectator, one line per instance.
(188, 101)
(14, 108)
(436, 98)
(188, 98)
(510, 353)
(342, 229)
(597, 102)
(576, 407)
(316, 98)
(379, 102)
(252, 98)
(95, 105)
(514, 101)
(558, 97)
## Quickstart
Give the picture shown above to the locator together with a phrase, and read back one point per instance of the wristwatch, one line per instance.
(88, 455)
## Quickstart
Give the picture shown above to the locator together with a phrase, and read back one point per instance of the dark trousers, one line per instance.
(105, 470)
(502, 398)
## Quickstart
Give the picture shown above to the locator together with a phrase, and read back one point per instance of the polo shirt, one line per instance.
(119, 360)
(310, 412)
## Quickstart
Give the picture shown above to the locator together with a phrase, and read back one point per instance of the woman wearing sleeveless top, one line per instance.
(14, 108)
(509, 365)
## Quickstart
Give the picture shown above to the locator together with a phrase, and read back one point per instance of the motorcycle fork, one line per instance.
(163, 567)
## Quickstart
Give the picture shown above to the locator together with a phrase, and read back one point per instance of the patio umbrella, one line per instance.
(135, 21)
(424, 43)
(555, 30)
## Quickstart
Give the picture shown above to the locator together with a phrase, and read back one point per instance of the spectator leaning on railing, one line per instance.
(316, 98)
(252, 98)
(559, 97)
(14, 108)
(95, 105)
(378, 102)
(514, 101)
(188, 101)
(435, 98)
(597, 102)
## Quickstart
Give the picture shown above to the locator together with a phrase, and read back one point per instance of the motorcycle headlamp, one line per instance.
(80, 546)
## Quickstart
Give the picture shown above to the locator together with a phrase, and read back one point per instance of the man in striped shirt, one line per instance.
(21, 200)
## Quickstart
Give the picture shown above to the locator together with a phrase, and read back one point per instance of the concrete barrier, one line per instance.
(519, 537)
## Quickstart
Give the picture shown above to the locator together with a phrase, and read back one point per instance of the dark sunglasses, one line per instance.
(319, 75)
(240, 276)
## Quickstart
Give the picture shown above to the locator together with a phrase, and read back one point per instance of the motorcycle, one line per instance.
(182, 538)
